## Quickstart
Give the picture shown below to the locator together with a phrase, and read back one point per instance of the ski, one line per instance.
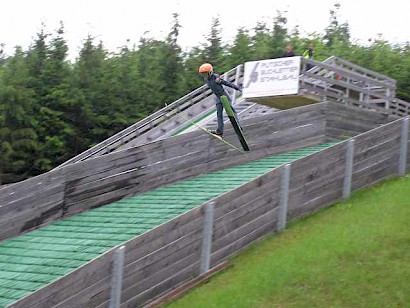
(234, 122)
(205, 130)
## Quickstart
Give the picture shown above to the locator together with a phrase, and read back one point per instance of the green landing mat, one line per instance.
(33, 260)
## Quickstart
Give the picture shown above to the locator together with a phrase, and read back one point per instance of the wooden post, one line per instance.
(347, 183)
(116, 280)
(207, 238)
(403, 147)
(284, 197)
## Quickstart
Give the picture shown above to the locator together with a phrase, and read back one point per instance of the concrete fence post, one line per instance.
(206, 249)
(284, 197)
(116, 280)
(347, 183)
(403, 147)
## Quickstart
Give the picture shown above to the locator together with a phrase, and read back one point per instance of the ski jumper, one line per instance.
(216, 83)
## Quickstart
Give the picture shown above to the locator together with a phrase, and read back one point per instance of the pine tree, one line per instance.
(172, 68)
(279, 36)
(241, 49)
(260, 43)
(336, 33)
(213, 49)
(18, 138)
(49, 74)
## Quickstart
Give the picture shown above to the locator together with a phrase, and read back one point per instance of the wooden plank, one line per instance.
(156, 284)
(34, 211)
(193, 165)
(310, 206)
(339, 134)
(373, 174)
(309, 171)
(179, 145)
(105, 163)
(90, 297)
(335, 109)
(371, 147)
(169, 283)
(296, 133)
(314, 176)
(284, 116)
(163, 234)
(225, 226)
(227, 201)
(301, 202)
(21, 190)
(90, 171)
(28, 221)
(362, 115)
(51, 195)
(258, 135)
(267, 194)
(373, 136)
(101, 175)
(260, 192)
(73, 208)
(351, 125)
(152, 263)
(188, 286)
(285, 120)
(383, 150)
(244, 236)
(75, 192)
(281, 146)
(319, 182)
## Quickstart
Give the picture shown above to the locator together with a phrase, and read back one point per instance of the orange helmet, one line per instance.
(205, 68)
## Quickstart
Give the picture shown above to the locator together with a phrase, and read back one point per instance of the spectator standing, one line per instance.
(289, 52)
(308, 54)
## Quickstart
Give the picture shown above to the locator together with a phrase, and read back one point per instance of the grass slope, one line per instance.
(354, 254)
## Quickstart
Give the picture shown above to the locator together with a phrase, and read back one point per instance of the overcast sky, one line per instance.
(114, 22)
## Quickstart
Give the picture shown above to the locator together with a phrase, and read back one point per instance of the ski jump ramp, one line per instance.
(62, 231)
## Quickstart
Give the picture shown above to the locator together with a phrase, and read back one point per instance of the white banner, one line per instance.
(271, 77)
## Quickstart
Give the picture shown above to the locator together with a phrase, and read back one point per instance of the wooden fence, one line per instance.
(173, 253)
(77, 187)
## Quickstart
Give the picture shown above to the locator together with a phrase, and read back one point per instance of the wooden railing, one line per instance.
(341, 81)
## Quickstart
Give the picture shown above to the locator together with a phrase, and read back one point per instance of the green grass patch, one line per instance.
(353, 254)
